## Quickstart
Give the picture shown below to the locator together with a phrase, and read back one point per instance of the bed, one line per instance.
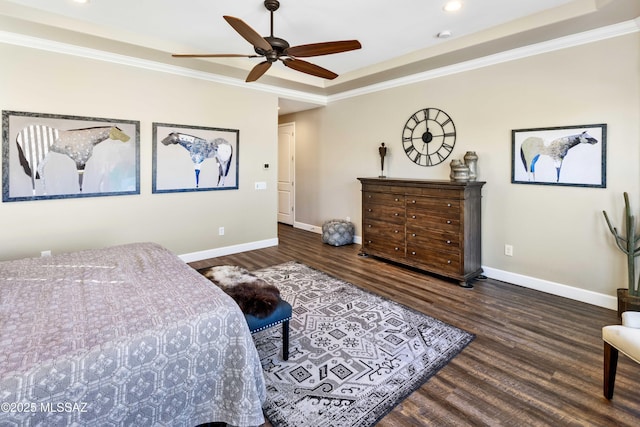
(122, 336)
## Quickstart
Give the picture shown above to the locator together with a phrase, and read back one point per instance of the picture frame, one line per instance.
(194, 158)
(55, 156)
(565, 155)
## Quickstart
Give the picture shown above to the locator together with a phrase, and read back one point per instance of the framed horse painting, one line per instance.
(194, 158)
(569, 155)
(53, 156)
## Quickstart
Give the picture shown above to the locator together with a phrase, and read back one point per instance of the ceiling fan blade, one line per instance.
(212, 55)
(327, 48)
(309, 68)
(258, 71)
(248, 33)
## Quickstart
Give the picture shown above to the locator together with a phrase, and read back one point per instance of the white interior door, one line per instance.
(286, 172)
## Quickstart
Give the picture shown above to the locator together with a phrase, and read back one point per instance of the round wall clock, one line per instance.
(428, 137)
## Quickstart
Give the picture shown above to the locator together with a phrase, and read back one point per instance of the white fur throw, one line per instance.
(227, 276)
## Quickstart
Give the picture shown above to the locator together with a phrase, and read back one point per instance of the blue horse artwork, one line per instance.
(534, 147)
(201, 149)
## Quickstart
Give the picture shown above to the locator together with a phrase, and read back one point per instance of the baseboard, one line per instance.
(318, 230)
(307, 227)
(589, 297)
(228, 250)
(553, 288)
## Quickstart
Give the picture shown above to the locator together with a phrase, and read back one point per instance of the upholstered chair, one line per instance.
(623, 338)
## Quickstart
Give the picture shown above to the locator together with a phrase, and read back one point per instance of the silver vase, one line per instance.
(459, 171)
(471, 160)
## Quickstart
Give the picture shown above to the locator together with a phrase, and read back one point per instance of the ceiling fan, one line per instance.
(274, 48)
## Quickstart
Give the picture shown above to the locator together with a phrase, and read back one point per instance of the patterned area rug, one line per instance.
(353, 355)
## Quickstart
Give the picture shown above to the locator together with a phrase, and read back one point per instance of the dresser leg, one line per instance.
(465, 284)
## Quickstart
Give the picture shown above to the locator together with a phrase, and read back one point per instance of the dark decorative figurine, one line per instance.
(383, 152)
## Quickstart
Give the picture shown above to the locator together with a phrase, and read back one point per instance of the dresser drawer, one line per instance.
(383, 230)
(389, 199)
(433, 192)
(433, 204)
(431, 240)
(423, 220)
(437, 261)
(384, 249)
(391, 214)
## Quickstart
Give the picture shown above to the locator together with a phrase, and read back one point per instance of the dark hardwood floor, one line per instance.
(536, 359)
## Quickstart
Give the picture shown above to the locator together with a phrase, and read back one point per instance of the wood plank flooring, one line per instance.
(536, 359)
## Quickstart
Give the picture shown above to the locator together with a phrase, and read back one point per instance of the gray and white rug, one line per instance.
(353, 355)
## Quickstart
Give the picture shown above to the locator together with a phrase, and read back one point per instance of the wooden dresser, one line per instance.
(431, 225)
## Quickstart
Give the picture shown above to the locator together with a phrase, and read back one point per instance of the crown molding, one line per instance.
(578, 39)
(99, 55)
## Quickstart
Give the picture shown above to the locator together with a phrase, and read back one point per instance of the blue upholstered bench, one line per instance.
(282, 314)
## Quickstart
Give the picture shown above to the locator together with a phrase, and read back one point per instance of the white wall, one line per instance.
(558, 233)
(44, 82)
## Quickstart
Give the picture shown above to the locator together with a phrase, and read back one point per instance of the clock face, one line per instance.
(428, 137)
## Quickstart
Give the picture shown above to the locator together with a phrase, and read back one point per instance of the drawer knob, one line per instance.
(397, 200)
(397, 249)
(369, 210)
(396, 231)
(448, 242)
(448, 205)
(396, 214)
(414, 234)
(413, 216)
(413, 201)
(369, 225)
(449, 262)
(413, 252)
(448, 221)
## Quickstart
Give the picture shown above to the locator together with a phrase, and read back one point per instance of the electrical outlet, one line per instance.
(45, 253)
(508, 250)
(221, 231)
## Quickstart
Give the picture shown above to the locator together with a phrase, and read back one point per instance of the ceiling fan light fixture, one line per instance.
(452, 6)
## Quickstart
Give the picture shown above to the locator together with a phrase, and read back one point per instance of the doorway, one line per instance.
(286, 173)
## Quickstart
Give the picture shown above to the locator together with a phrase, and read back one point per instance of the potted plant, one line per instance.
(628, 298)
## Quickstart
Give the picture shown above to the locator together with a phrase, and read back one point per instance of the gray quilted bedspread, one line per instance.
(123, 336)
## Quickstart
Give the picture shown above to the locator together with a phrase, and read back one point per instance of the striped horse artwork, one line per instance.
(200, 149)
(534, 147)
(36, 143)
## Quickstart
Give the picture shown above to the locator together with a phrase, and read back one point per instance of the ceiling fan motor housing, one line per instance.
(278, 46)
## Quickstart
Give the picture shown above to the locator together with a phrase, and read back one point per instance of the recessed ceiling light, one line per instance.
(452, 6)
(81, 1)
(444, 34)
